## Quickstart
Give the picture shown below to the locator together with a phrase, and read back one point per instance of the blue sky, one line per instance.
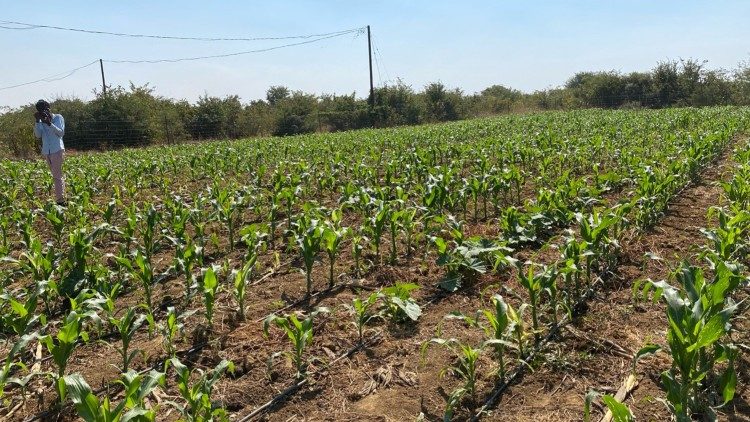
(470, 45)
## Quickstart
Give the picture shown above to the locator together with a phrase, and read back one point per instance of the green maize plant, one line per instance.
(300, 333)
(699, 313)
(309, 235)
(150, 231)
(127, 326)
(333, 235)
(77, 275)
(408, 222)
(653, 193)
(572, 256)
(376, 226)
(199, 218)
(497, 331)
(210, 288)
(241, 277)
(198, 406)
(131, 225)
(131, 408)
(11, 363)
(594, 231)
(38, 262)
(143, 272)
(728, 237)
(274, 199)
(186, 258)
(290, 195)
(737, 191)
(362, 313)
(4, 225)
(61, 347)
(534, 283)
(465, 367)
(228, 208)
(358, 240)
(549, 286)
(394, 223)
(178, 216)
(172, 328)
(19, 317)
(620, 412)
(398, 305)
(56, 218)
(109, 211)
(25, 225)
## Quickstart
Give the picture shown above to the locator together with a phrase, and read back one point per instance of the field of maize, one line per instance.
(586, 265)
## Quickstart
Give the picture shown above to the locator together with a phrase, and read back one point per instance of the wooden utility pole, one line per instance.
(104, 85)
(369, 53)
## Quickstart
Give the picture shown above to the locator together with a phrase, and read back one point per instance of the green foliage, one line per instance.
(131, 408)
(196, 388)
(398, 304)
(300, 334)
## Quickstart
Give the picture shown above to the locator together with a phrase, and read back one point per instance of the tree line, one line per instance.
(136, 115)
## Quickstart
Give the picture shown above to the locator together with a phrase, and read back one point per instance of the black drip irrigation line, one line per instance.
(526, 363)
(296, 386)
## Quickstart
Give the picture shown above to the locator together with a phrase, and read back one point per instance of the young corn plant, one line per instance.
(699, 313)
(309, 235)
(127, 326)
(241, 278)
(56, 218)
(620, 412)
(300, 333)
(210, 288)
(150, 231)
(61, 347)
(533, 282)
(333, 235)
(499, 323)
(19, 317)
(358, 241)
(186, 259)
(465, 368)
(143, 272)
(362, 310)
(198, 406)
(173, 328)
(228, 208)
(376, 227)
(131, 408)
(728, 237)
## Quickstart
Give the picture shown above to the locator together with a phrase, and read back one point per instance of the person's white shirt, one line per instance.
(51, 135)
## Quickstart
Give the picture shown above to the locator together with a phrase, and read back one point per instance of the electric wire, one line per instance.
(379, 54)
(55, 77)
(238, 53)
(26, 26)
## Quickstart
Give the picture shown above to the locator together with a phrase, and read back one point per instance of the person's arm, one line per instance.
(59, 129)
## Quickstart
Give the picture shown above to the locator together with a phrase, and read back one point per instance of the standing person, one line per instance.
(50, 128)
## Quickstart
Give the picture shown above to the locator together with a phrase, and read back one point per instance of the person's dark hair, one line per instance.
(41, 105)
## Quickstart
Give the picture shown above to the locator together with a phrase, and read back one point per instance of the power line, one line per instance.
(379, 54)
(239, 53)
(63, 75)
(55, 77)
(25, 26)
